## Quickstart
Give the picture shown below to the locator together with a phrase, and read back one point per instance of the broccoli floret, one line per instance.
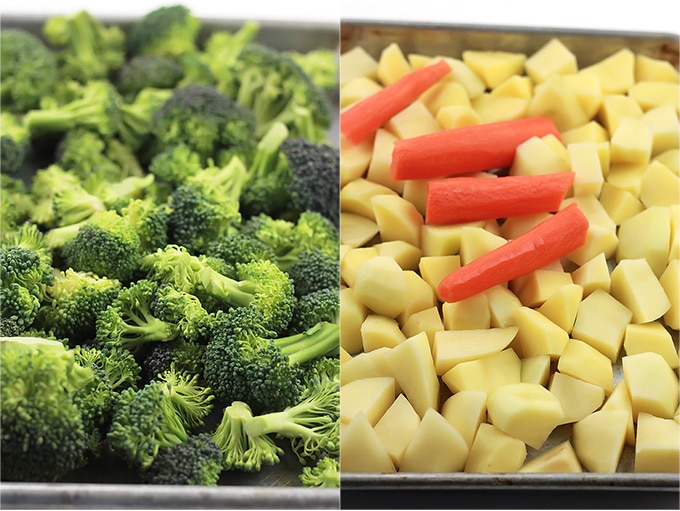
(206, 206)
(239, 450)
(150, 220)
(28, 72)
(73, 303)
(204, 119)
(43, 433)
(191, 400)
(320, 64)
(314, 270)
(16, 204)
(239, 248)
(182, 309)
(169, 31)
(197, 461)
(15, 140)
(325, 474)
(147, 71)
(85, 48)
(310, 309)
(136, 117)
(174, 165)
(223, 47)
(19, 307)
(179, 353)
(45, 184)
(75, 204)
(245, 362)
(95, 105)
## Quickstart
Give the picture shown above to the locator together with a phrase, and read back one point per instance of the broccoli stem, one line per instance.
(147, 328)
(267, 152)
(317, 341)
(234, 292)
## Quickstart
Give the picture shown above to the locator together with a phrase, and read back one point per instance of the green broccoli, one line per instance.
(320, 64)
(147, 71)
(314, 307)
(169, 31)
(136, 117)
(325, 474)
(174, 165)
(85, 49)
(182, 309)
(314, 270)
(15, 140)
(28, 72)
(46, 182)
(150, 220)
(180, 353)
(197, 461)
(239, 248)
(16, 204)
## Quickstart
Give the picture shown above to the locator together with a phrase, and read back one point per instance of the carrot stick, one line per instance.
(548, 241)
(467, 149)
(362, 119)
(466, 199)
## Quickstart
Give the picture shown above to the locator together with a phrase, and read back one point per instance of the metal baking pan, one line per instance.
(109, 484)
(451, 40)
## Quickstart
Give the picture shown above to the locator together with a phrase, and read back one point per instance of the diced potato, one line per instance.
(646, 234)
(452, 347)
(517, 284)
(370, 397)
(396, 428)
(470, 313)
(380, 331)
(599, 439)
(561, 307)
(502, 305)
(584, 362)
(412, 121)
(616, 107)
(654, 94)
(559, 459)
(438, 240)
(352, 315)
(619, 399)
(381, 158)
(652, 69)
(427, 320)
(456, 116)
(344, 356)
(541, 285)
(585, 163)
(670, 281)
(663, 121)
(354, 158)
(356, 230)
(361, 449)
(419, 295)
(495, 451)
(466, 410)
(670, 159)
(536, 156)
(413, 367)
(619, 203)
(577, 397)
(516, 86)
(601, 322)
(444, 94)
(657, 448)
(355, 63)
(634, 284)
(536, 369)
(434, 268)
(537, 335)
(517, 225)
(406, 255)
(392, 64)
(551, 58)
(599, 239)
(397, 219)
(651, 383)
(367, 364)
(659, 186)
(357, 89)
(588, 92)
(436, 446)
(674, 250)
(354, 257)
(494, 67)
(615, 72)
(381, 286)
(631, 141)
(652, 336)
(461, 73)
(527, 411)
(355, 196)
(627, 176)
(486, 374)
(592, 275)
(477, 241)
(415, 191)
(553, 98)
(591, 131)
(499, 108)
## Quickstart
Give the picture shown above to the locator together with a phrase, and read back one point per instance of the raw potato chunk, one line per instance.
(619, 399)
(615, 72)
(427, 320)
(355, 63)
(413, 367)
(502, 305)
(516, 86)
(631, 141)
(354, 158)
(553, 98)
(356, 230)
(397, 219)
(561, 307)
(380, 332)
(494, 67)
(536, 156)
(527, 411)
(614, 108)
(454, 346)
(355, 196)
(379, 167)
(588, 92)
(635, 286)
(368, 396)
(457, 116)
(648, 235)
(495, 451)
(655, 70)
(468, 314)
(552, 58)
(584, 362)
(541, 285)
(619, 204)
(560, 459)
(585, 163)
(412, 121)
(651, 383)
(592, 275)
(499, 108)
(654, 94)
(352, 315)
(392, 64)
(659, 186)
(486, 374)
(381, 286)
(361, 449)
(419, 295)
(406, 255)
(599, 439)
(466, 410)
(670, 281)
(444, 94)
(577, 397)
(357, 89)
(442, 240)
(434, 268)
(537, 335)
(663, 122)
(368, 364)
(397, 427)
(536, 369)
(436, 446)
(657, 448)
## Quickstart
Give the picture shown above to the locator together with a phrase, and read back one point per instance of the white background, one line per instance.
(644, 15)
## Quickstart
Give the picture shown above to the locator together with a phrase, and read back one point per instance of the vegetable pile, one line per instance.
(509, 262)
(170, 253)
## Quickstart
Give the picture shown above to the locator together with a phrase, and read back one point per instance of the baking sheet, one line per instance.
(107, 483)
(451, 40)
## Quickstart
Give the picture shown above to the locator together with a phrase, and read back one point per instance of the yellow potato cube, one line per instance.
(517, 225)
(599, 439)
(577, 397)
(456, 116)
(619, 399)
(652, 336)
(344, 356)
(553, 98)
(674, 250)
(494, 67)
(659, 186)
(495, 451)
(657, 448)
(591, 131)
(502, 305)
(413, 367)
(357, 89)
(537, 156)
(516, 86)
(357, 62)
(651, 383)
(354, 257)
(552, 58)
(585, 163)
(635, 286)
(654, 69)
(615, 72)
(670, 281)
(419, 295)
(517, 284)
(434, 268)
(486, 374)
(361, 449)
(436, 446)
(444, 94)
(381, 158)
(601, 322)
(627, 176)
(477, 241)
(367, 364)
(354, 158)
(443, 240)
(465, 410)
(396, 428)
(452, 347)
(619, 203)
(541, 285)
(463, 74)
(646, 234)
(415, 191)
(352, 315)
(663, 121)
(650, 94)
(592, 275)
(599, 239)
(380, 331)
(381, 286)
(584, 362)
(427, 320)
(588, 92)
(397, 219)
(536, 369)
(561, 307)
(392, 64)
(356, 230)
(355, 196)
(616, 107)
(670, 159)
(406, 255)
(631, 142)
(471, 313)
(499, 108)
(537, 335)
(368, 396)
(412, 121)
(559, 459)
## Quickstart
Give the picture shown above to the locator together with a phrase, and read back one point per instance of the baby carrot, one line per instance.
(362, 119)
(466, 199)
(467, 149)
(548, 241)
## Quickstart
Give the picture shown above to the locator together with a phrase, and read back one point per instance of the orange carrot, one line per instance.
(546, 242)
(362, 119)
(466, 199)
(467, 149)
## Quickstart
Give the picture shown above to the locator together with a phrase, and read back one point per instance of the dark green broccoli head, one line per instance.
(314, 270)
(28, 71)
(150, 219)
(182, 309)
(169, 31)
(314, 307)
(19, 307)
(175, 164)
(179, 353)
(197, 461)
(239, 248)
(136, 117)
(14, 142)
(144, 71)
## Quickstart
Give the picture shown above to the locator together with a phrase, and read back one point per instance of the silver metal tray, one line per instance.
(110, 485)
(451, 40)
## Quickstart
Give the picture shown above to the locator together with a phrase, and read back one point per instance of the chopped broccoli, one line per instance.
(320, 64)
(197, 461)
(182, 309)
(147, 71)
(316, 306)
(15, 140)
(136, 117)
(169, 31)
(28, 72)
(239, 248)
(45, 184)
(179, 353)
(314, 270)
(16, 204)
(325, 474)
(150, 220)
(174, 165)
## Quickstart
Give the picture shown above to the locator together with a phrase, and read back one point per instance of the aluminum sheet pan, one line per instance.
(108, 485)
(450, 40)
